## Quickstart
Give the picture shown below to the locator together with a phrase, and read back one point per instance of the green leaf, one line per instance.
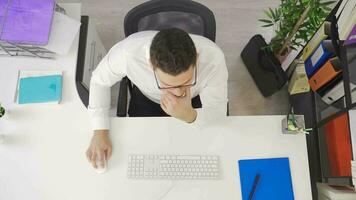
(267, 25)
(265, 21)
(327, 3)
(288, 13)
(292, 47)
(327, 8)
(272, 13)
(268, 14)
(279, 13)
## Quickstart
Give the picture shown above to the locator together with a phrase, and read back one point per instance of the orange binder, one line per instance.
(326, 73)
(338, 142)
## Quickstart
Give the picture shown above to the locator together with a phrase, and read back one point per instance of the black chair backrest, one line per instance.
(160, 14)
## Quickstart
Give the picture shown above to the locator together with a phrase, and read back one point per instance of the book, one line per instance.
(314, 42)
(334, 93)
(352, 119)
(341, 8)
(299, 81)
(347, 19)
(39, 87)
(318, 58)
(353, 167)
(351, 39)
(275, 178)
(338, 144)
(326, 73)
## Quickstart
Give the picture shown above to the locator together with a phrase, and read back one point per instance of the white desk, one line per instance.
(43, 155)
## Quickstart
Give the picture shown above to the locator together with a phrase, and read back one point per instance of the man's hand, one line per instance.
(100, 148)
(179, 107)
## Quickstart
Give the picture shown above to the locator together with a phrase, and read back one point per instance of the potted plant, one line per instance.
(294, 21)
(2, 111)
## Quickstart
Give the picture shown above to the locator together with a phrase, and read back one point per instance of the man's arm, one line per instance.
(110, 70)
(214, 95)
(103, 78)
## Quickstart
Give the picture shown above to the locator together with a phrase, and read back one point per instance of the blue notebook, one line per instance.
(40, 89)
(275, 181)
(319, 57)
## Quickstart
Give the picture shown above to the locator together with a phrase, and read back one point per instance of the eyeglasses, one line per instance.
(179, 86)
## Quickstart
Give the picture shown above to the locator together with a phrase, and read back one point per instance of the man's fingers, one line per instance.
(173, 99)
(93, 159)
(163, 106)
(109, 153)
(170, 96)
(167, 104)
(88, 154)
(101, 158)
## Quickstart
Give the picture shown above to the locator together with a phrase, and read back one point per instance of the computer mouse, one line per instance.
(101, 169)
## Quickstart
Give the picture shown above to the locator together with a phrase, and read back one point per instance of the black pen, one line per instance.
(254, 186)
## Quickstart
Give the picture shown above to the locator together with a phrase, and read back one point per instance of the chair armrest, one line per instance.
(123, 96)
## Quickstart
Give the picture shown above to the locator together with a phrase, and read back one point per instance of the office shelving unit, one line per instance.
(325, 113)
(317, 114)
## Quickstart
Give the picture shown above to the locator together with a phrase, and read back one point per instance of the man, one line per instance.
(174, 74)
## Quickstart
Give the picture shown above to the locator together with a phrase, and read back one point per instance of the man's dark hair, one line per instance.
(173, 51)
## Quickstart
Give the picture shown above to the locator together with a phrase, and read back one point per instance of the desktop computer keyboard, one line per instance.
(178, 167)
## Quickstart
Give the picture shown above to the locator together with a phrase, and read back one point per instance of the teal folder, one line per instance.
(40, 89)
(275, 181)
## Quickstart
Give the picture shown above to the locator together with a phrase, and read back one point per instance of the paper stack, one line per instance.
(351, 39)
(353, 172)
(346, 18)
(64, 31)
(335, 192)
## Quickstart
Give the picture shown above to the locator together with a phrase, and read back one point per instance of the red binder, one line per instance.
(329, 71)
(338, 143)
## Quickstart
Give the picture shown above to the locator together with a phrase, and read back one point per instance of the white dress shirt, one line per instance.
(130, 57)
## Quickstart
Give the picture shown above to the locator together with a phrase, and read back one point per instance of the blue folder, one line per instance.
(275, 179)
(40, 89)
(319, 57)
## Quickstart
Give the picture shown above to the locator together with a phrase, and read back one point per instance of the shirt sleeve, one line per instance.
(111, 69)
(214, 95)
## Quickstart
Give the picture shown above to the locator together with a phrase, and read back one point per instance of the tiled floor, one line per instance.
(237, 22)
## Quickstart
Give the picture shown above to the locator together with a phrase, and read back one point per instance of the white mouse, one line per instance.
(99, 168)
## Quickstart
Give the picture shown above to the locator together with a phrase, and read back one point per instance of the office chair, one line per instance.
(161, 14)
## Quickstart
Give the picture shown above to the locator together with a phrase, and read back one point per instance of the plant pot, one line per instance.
(2, 115)
(2, 112)
(282, 57)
